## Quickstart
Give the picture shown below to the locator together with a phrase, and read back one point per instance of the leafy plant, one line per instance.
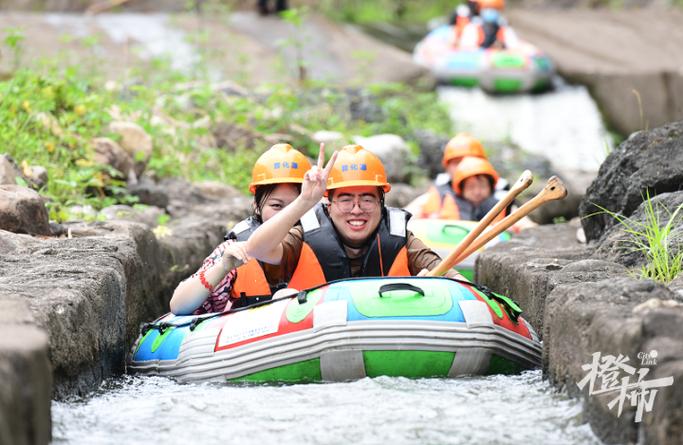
(654, 238)
(50, 118)
(296, 17)
(13, 40)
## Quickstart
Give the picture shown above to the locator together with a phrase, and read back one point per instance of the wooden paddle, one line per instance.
(554, 189)
(518, 187)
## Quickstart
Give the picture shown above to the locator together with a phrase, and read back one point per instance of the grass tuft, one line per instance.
(654, 238)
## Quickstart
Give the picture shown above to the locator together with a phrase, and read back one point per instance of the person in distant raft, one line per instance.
(351, 234)
(461, 17)
(489, 29)
(472, 189)
(215, 287)
(441, 200)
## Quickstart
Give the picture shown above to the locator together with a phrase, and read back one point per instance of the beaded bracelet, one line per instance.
(204, 282)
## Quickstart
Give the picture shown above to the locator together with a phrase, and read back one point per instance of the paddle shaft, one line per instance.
(553, 190)
(447, 263)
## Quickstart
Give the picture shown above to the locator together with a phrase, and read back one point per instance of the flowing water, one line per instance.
(478, 410)
(564, 124)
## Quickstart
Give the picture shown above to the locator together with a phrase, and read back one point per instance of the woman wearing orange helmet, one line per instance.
(440, 201)
(276, 182)
(351, 235)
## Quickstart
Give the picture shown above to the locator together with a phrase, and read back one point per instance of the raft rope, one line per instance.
(509, 305)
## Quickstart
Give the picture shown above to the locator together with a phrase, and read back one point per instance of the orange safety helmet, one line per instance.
(460, 146)
(357, 166)
(471, 166)
(280, 164)
(492, 4)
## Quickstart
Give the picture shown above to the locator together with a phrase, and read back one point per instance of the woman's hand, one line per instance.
(315, 180)
(234, 250)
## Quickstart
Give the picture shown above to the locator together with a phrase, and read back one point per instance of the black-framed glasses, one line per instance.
(365, 203)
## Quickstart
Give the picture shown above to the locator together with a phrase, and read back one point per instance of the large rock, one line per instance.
(22, 210)
(108, 152)
(135, 141)
(9, 171)
(648, 161)
(147, 215)
(403, 194)
(431, 151)
(576, 182)
(530, 265)
(149, 192)
(630, 59)
(103, 283)
(25, 379)
(394, 153)
(582, 305)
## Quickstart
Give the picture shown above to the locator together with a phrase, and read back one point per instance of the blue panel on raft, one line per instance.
(464, 60)
(167, 350)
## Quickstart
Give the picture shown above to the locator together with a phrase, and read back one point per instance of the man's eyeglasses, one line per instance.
(347, 203)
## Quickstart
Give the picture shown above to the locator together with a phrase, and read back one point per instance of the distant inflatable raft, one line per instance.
(519, 70)
(345, 330)
(443, 236)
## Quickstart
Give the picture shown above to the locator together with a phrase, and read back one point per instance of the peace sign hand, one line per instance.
(315, 180)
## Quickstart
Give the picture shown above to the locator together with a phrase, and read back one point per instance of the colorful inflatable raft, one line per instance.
(442, 235)
(518, 70)
(345, 330)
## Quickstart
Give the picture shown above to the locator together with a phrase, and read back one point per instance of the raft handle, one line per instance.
(447, 228)
(400, 286)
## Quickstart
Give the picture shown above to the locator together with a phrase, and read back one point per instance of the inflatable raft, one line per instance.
(345, 330)
(518, 70)
(442, 235)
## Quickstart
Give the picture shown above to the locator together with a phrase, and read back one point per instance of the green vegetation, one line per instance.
(50, 118)
(393, 11)
(654, 238)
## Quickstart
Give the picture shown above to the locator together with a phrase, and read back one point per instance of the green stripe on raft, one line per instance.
(303, 372)
(500, 365)
(411, 364)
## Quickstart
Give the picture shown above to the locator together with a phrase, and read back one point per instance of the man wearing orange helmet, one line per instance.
(441, 200)
(352, 235)
(276, 182)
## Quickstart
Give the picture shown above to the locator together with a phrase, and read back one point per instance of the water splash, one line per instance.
(496, 409)
(564, 125)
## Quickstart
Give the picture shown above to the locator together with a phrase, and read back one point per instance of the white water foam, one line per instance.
(497, 409)
(564, 125)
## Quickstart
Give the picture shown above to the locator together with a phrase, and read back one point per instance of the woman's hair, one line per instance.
(261, 195)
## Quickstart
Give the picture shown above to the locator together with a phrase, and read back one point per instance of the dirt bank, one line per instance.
(631, 60)
(240, 46)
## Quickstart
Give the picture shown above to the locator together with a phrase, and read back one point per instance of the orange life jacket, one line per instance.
(251, 280)
(443, 203)
(323, 257)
